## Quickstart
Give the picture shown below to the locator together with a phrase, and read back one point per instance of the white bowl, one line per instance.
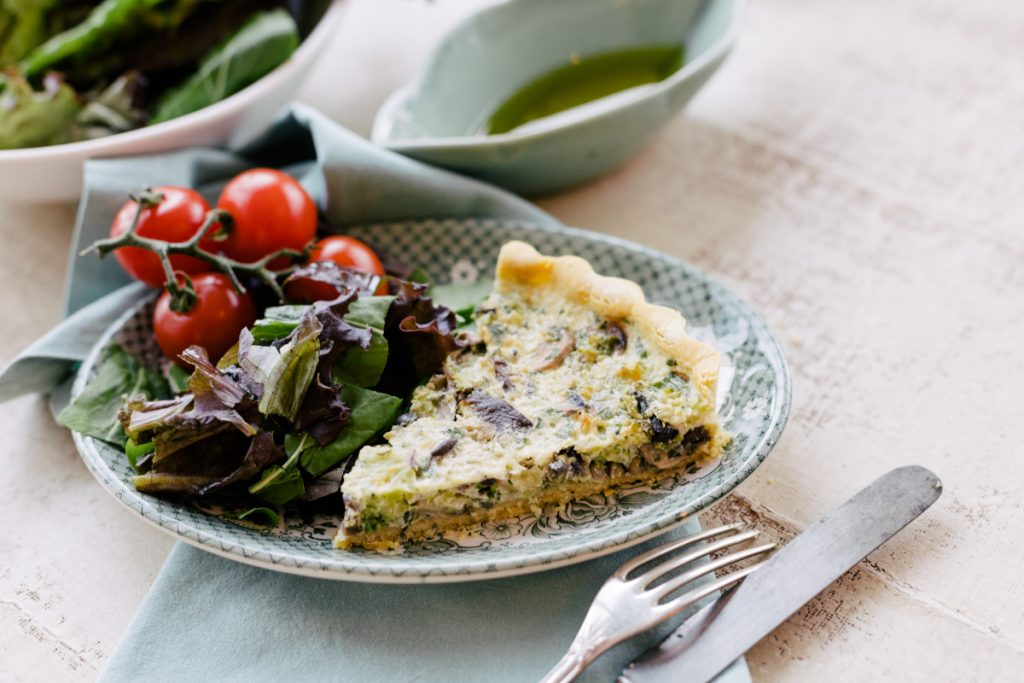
(54, 173)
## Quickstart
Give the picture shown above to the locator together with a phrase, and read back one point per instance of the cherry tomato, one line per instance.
(177, 218)
(271, 212)
(347, 252)
(214, 322)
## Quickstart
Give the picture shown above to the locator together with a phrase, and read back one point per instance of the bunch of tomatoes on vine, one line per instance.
(263, 227)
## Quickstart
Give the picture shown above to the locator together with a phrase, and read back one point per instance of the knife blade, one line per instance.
(720, 633)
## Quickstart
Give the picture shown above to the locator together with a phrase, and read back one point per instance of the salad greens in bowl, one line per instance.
(81, 79)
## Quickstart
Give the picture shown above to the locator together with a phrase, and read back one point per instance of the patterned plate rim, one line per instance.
(385, 570)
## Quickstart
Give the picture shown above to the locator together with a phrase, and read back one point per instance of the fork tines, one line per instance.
(732, 537)
(631, 600)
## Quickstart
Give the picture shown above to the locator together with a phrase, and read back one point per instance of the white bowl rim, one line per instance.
(383, 122)
(197, 119)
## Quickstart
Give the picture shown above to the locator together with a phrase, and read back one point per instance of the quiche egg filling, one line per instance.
(546, 394)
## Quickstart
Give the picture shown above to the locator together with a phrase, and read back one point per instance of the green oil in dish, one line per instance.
(582, 80)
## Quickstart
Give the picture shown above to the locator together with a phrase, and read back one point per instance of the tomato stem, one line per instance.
(220, 223)
(183, 294)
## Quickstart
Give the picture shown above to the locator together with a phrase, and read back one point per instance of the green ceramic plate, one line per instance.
(753, 396)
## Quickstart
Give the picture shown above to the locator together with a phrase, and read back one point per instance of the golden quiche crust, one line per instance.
(520, 265)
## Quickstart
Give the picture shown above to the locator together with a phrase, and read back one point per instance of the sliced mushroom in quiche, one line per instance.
(573, 385)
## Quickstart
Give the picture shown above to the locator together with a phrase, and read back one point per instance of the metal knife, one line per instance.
(716, 636)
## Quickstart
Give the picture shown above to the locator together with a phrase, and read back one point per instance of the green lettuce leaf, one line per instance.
(291, 373)
(259, 47)
(110, 22)
(262, 516)
(462, 298)
(372, 413)
(282, 483)
(120, 375)
(137, 451)
(33, 119)
(371, 311)
(323, 412)
(363, 368)
(277, 323)
(356, 365)
(278, 485)
(24, 27)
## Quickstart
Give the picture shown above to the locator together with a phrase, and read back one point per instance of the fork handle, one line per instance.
(596, 635)
(567, 669)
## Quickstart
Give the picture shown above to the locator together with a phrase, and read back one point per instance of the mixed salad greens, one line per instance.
(279, 367)
(278, 417)
(78, 69)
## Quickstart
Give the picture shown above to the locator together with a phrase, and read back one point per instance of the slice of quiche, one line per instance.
(574, 384)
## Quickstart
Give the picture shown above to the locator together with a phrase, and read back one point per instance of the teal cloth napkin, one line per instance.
(207, 618)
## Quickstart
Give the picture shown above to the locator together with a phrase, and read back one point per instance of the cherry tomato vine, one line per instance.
(217, 224)
(263, 228)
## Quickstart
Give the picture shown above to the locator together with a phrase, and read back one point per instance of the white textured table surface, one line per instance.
(855, 172)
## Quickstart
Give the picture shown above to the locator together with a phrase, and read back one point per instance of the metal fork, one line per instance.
(627, 606)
